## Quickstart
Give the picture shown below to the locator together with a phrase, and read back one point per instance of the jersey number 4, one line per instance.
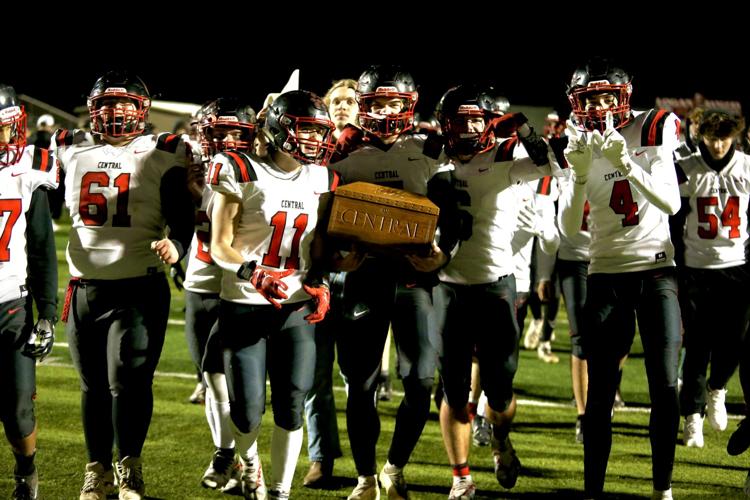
(93, 206)
(730, 217)
(272, 258)
(13, 208)
(621, 202)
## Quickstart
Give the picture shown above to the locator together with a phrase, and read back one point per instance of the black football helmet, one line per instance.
(463, 102)
(600, 76)
(12, 127)
(291, 113)
(226, 113)
(390, 82)
(113, 121)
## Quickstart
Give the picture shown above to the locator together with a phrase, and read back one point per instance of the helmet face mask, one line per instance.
(297, 123)
(595, 90)
(467, 116)
(226, 124)
(379, 86)
(118, 105)
(12, 127)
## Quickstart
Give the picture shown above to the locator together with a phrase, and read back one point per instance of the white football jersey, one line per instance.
(576, 246)
(716, 226)
(540, 196)
(482, 189)
(36, 168)
(277, 219)
(202, 274)
(628, 232)
(114, 200)
(404, 165)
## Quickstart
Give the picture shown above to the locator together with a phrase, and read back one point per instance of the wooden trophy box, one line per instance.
(381, 217)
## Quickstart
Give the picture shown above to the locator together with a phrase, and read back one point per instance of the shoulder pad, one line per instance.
(243, 169)
(652, 130)
(505, 150)
(168, 142)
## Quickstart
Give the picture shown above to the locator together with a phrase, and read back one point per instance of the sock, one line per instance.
(461, 470)
(245, 442)
(500, 432)
(24, 465)
(222, 431)
(285, 448)
(208, 409)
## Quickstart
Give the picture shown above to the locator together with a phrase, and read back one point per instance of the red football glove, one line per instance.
(269, 285)
(322, 297)
(506, 125)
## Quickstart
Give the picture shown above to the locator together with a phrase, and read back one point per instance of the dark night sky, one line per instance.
(533, 76)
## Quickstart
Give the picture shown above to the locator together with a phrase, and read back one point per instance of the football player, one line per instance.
(123, 189)
(224, 124)
(622, 164)
(26, 242)
(712, 230)
(489, 152)
(263, 216)
(384, 290)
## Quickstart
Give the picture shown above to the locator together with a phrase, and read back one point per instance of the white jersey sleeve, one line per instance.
(36, 168)
(573, 246)
(716, 227)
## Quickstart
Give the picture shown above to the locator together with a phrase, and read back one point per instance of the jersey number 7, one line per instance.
(13, 208)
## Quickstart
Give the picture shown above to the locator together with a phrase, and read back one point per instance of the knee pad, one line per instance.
(20, 422)
(245, 419)
(418, 389)
(289, 414)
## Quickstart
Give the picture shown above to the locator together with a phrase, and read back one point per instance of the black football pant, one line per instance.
(201, 317)
(260, 338)
(610, 300)
(17, 371)
(479, 319)
(361, 339)
(573, 277)
(116, 333)
(721, 304)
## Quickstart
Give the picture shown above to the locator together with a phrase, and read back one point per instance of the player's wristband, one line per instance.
(246, 270)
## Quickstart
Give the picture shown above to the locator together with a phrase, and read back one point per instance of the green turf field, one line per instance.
(179, 447)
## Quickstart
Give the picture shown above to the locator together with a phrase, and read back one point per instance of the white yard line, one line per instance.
(52, 361)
